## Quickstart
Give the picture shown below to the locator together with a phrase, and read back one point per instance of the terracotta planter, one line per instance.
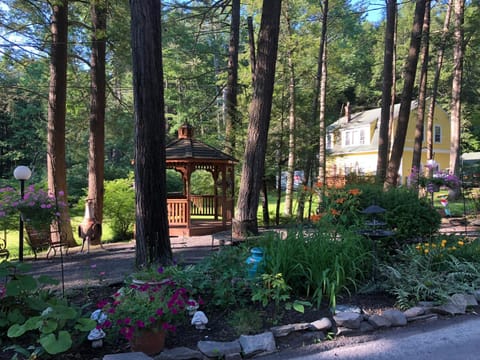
(148, 341)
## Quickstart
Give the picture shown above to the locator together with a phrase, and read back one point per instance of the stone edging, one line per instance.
(348, 321)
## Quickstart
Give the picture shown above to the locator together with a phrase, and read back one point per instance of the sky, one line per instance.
(375, 9)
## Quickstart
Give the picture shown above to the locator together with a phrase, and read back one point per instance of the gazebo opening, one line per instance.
(208, 208)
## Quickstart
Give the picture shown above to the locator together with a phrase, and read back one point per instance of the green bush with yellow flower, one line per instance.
(433, 270)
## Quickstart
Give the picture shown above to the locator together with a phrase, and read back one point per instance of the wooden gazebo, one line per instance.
(189, 214)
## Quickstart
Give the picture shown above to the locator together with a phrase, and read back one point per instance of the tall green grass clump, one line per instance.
(319, 264)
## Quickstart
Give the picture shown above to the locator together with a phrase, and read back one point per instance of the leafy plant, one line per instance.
(146, 306)
(412, 218)
(119, 206)
(246, 321)
(319, 264)
(34, 315)
(224, 277)
(431, 271)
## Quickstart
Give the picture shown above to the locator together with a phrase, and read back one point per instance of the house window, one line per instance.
(329, 144)
(354, 137)
(437, 134)
(348, 135)
(362, 137)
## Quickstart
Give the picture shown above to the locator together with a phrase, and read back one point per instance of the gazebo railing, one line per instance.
(202, 205)
(177, 211)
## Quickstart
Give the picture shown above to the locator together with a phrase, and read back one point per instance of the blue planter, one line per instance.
(255, 262)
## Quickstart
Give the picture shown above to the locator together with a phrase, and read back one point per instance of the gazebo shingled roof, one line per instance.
(186, 154)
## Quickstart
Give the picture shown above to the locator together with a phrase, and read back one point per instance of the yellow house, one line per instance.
(352, 142)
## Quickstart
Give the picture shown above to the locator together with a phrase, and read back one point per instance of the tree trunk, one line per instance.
(291, 123)
(96, 153)
(56, 161)
(391, 179)
(455, 107)
(422, 90)
(388, 60)
(436, 79)
(260, 110)
(231, 89)
(322, 70)
(152, 237)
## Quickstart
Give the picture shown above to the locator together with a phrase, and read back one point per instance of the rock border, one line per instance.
(347, 321)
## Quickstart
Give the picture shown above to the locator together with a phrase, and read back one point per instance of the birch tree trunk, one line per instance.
(291, 121)
(322, 69)
(436, 79)
(455, 107)
(232, 79)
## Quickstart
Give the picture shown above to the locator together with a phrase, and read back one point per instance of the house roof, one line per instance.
(187, 148)
(361, 119)
(365, 117)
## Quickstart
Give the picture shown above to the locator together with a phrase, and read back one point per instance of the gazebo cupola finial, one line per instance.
(185, 131)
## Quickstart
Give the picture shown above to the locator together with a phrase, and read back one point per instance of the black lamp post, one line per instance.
(21, 173)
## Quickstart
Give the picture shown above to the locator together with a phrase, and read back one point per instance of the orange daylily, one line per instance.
(354, 192)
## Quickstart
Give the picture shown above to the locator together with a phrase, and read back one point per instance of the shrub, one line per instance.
(411, 217)
(119, 207)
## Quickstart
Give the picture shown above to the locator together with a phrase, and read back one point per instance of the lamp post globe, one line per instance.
(21, 173)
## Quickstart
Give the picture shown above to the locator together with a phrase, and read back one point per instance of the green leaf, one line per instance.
(54, 345)
(85, 324)
(16, 330)
(48, 326)
(63, 312)
(47, 280)
(23, 283)
(33, 323)
(15, 316)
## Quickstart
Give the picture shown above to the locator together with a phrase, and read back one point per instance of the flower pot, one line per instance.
(148, 341)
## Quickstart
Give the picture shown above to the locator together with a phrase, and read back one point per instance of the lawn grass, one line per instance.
(12, 237)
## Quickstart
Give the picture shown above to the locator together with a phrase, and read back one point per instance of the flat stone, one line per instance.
(321, 325)
(414, 311)
(449, 309)
(476, 293)
(378, 321)
(425, 317)
(396, 317)
(219, 349)
(233, 357)
(470, 300)
(127, 356)
(344, 331)
(347, 308)
(350, 320)
(366, 327)
(261, 343)
(284, 330)
(426, 304)
(179, 353)
(459, 300)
